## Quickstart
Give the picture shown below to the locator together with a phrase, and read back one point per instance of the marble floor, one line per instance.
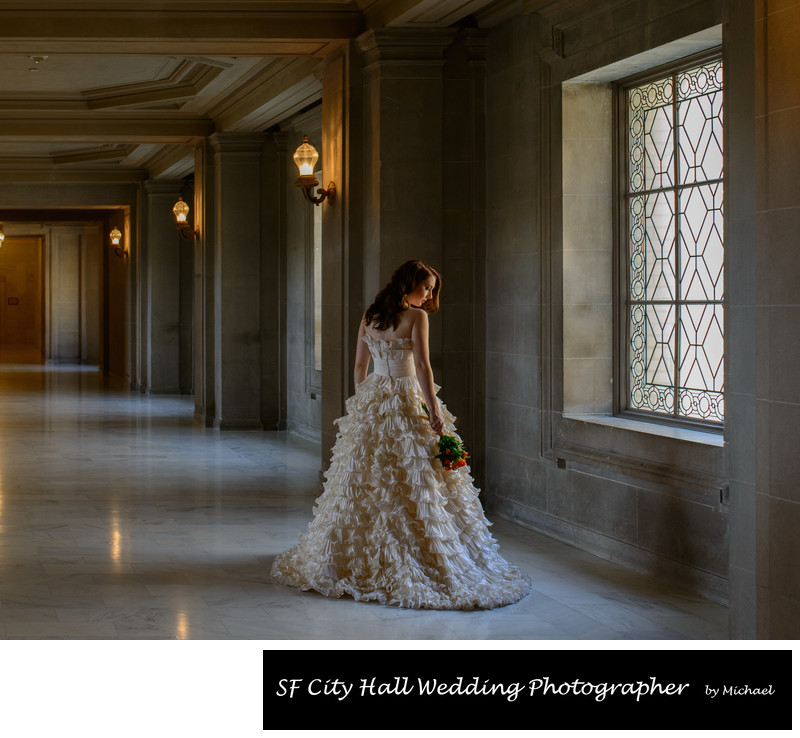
(120, 518)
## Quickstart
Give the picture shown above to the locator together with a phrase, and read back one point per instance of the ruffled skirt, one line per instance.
(391, 524)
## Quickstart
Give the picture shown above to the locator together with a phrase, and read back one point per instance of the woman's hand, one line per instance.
(437, 422)
(361, 364)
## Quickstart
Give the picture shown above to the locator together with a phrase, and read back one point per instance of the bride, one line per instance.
(393, 524)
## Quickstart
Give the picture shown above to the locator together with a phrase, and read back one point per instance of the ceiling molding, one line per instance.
(221, 63)
(195, 33)
(190, 6)
(186, 81)
(419, 13)
(96, 129)
(285, 105)
(182, 47)
(309, 122)
(59, 176)
(278, 85)
(101, 153)
(438, 13)
(498, 12)
(48, 103)
(170, 162)
(140, 83)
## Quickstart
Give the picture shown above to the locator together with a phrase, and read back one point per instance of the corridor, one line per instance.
(120, 518)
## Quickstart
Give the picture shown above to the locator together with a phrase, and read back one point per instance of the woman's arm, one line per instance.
(361, 364)
(419, 345)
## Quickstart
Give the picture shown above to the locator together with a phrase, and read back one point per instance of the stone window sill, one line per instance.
(656, 429)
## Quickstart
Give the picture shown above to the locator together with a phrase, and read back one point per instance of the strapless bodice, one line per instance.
(392, 358)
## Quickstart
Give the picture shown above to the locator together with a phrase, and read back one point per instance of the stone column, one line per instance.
(161, 244)
(237, 279)
(386, 138)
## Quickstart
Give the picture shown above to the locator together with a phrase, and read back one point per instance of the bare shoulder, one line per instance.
(418, 319)
(419, 316)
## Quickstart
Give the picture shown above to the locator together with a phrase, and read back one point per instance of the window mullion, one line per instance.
(677, 242)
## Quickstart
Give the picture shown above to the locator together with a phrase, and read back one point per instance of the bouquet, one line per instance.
(452, 453)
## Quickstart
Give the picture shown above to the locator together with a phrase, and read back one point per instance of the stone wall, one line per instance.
(777, 325)
(557, 460)
(507, 187)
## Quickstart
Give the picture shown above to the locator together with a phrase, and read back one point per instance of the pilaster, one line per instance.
(161, 255)
(274, 283)
(237, 279)
(424, 190)
(342, 232)
(403, 98)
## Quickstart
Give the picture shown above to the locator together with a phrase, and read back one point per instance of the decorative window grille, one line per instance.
(673, 210)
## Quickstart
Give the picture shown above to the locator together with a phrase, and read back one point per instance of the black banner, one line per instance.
(529, 689)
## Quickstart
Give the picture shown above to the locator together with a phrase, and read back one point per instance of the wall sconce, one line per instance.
(306, 157)
(2, 237)
(181, 211)
(116, 237)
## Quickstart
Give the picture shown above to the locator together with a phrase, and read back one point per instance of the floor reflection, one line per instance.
(120, 518)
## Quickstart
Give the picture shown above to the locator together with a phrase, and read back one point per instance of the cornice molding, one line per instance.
(163, 187)
(235, 142)
(405, 44)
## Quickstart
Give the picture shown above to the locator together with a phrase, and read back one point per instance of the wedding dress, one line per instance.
(392, 524)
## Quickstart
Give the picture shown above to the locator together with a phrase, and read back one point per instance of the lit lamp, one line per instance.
(2, 237)
(181, 211)
(116, 237)
(306, 157)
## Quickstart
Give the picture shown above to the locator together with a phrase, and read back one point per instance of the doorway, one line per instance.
(21, 291)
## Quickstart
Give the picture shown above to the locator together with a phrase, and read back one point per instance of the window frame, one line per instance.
(622, 246)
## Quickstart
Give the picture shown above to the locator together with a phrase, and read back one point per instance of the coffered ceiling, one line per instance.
(128, 87)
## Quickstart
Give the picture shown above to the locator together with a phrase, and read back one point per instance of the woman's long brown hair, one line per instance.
(388, 304)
